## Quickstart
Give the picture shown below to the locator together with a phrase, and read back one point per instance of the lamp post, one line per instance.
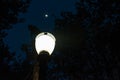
(44, 45)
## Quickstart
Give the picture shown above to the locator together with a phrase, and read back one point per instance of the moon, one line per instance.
(46, 15)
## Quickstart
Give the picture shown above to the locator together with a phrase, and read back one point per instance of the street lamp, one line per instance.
(45, 42)
(44, 45)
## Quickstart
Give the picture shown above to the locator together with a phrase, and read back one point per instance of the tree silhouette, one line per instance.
(30, 51)
(88, 41)
(9, 12)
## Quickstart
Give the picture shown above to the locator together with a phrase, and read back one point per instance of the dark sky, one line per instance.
(36, 15)
(95, 55)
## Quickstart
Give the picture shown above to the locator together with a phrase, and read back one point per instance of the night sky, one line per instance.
(87, 37)
(36, 15)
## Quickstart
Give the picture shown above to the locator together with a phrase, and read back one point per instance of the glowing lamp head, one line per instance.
(45, 42)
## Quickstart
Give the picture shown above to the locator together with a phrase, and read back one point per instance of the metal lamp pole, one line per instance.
(44, 44)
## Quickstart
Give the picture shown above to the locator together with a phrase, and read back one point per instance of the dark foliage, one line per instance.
(9, 12)
(10, 9)
(30, 51)
(88, 42)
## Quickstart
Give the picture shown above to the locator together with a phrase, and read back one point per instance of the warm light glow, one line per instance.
(45, 42)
